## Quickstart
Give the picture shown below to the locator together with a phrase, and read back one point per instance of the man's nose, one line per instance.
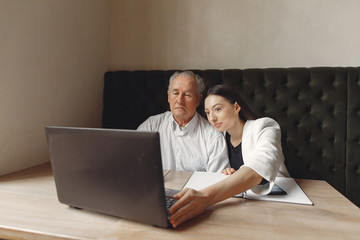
(181, 97)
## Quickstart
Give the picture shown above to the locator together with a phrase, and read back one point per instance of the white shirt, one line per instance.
(262, 152)
(195, 147)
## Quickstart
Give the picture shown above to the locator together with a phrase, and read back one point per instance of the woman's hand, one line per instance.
(228, 171)
(191, 203)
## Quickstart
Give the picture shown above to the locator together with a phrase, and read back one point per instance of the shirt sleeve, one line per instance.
(264, 154)
(153, 123)
(145, 126)
(218, 157)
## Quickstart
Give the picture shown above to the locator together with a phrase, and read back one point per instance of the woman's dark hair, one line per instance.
(232, 96)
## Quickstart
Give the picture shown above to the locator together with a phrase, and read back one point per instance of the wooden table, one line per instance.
(29, 209)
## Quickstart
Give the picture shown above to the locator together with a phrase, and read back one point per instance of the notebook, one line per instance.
(115, 172)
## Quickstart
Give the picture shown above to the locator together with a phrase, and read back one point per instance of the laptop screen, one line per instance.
(112, 171)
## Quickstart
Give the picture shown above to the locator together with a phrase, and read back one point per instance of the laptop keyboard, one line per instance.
(169, 202)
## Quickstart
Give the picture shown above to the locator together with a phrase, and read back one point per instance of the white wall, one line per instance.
(168, 34)
(53, 54)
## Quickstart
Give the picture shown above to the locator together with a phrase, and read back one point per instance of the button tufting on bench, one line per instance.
(358, 170)
(318, 110)
(358, 113)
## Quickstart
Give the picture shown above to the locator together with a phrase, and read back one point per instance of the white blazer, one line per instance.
(262, 152)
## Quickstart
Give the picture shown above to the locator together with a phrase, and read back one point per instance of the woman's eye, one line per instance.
(217, 109)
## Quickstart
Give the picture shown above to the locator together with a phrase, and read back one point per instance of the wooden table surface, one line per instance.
(29, 209)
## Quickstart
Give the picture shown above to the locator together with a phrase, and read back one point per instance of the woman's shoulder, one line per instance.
(260, 127)
(262, 122)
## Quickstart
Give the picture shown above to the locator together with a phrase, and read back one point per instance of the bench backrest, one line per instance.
(317, 108)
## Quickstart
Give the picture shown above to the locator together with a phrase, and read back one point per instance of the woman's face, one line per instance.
(221, 113)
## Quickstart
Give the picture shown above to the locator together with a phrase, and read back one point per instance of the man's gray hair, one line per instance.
(198, 79)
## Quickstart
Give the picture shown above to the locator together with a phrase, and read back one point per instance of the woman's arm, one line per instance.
(191, 203)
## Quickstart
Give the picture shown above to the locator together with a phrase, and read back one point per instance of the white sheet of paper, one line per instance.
(201, 180)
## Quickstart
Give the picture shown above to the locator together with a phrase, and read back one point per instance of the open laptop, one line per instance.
(116, 172)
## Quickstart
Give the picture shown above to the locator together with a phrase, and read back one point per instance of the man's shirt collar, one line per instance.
(189, 127)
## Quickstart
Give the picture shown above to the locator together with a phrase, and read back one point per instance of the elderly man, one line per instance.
(188, 141)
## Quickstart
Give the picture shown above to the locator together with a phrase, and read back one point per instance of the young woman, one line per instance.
(255, 154)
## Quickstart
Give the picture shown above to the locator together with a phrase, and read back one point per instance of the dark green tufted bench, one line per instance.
(317, 108)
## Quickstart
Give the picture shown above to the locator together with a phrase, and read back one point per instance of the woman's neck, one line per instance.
(236, 132)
